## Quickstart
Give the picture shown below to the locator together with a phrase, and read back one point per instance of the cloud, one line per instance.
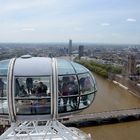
(16, 5)
(28, 29)
(131, 20)
(78, 29)
(105, 24)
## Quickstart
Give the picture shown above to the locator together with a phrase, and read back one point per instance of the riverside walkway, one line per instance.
(99, 118)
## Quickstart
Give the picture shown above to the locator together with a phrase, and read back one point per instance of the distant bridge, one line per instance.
(99, 118)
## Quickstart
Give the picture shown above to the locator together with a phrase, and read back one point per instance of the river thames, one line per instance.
(112, 97)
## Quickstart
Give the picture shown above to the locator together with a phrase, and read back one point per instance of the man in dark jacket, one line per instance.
(1, 87)
(42, 89)
(29, 84)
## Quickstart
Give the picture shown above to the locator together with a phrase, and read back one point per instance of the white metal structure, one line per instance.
(50, 130)
(34, 89)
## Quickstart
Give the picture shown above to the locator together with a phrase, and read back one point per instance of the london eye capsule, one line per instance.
(33, 88)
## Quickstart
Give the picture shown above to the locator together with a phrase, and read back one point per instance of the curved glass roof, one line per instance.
(69, 67)
(64, 67)
(79, 68)
(33, 66)
(4, 67)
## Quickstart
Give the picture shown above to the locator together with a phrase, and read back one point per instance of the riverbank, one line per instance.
(101, 69)
(126, 88)
(127, 84)
(112, 73)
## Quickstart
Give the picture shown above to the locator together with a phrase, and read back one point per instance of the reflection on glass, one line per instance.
(79, 68)
(3, 107)
(64, 67)
(4, 67)
(32, 95)
(86, 100)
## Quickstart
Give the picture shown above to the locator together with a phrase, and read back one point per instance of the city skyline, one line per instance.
(96, 21)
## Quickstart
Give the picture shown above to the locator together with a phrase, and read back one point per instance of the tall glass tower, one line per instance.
(70, 47)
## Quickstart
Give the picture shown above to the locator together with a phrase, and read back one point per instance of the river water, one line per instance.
(112, 97)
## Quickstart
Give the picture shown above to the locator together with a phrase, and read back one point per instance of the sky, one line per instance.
(94, 21)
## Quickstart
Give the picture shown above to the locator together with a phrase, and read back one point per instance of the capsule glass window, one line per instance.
(68, 93)
(33, 95)
(86, 100)
(3, 86)
(87, 83)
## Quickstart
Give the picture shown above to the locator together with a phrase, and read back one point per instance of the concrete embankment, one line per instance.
(101, 118)
(119, 84)
(126, 88)
(128, 84)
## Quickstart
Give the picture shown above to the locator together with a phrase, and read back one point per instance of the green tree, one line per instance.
(101, 69)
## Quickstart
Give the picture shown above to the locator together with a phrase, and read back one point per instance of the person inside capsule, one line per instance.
(32, 95)
(1, 87)
(68, 93)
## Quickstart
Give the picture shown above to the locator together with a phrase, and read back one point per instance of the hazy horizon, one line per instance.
(66, 44)
(85, 21)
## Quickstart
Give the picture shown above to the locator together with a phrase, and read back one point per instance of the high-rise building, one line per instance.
(81, 51)
(131, 64)
(70, 47)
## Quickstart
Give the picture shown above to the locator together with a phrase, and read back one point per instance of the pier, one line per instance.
(107, 117)
(99, 118)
